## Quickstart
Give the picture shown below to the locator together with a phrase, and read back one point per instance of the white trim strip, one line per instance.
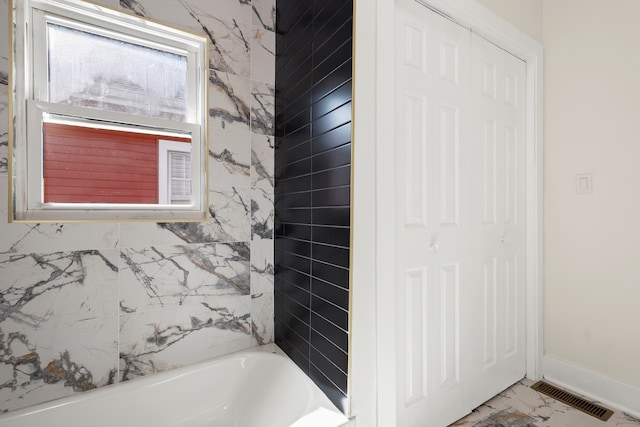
(610, 392)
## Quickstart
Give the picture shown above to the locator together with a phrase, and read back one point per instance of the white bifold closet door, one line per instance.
(460, 224)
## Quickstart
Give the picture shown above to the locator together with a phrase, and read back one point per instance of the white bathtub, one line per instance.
(247, 389)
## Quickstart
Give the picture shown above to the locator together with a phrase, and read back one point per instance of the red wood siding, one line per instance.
(87, 165)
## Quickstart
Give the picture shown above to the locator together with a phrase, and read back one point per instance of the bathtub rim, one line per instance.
(164, 376)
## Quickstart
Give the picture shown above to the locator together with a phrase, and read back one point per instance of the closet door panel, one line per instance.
(433, 216)
(498, 123)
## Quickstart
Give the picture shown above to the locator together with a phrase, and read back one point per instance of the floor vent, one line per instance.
(573, 400)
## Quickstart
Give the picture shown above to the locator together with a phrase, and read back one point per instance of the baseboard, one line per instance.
(609, 392)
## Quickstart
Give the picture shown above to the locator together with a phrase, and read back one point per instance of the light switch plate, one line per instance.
(584, 183)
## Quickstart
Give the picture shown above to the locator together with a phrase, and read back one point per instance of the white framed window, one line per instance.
(96, 92)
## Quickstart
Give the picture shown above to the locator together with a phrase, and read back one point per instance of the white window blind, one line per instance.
(180, 176)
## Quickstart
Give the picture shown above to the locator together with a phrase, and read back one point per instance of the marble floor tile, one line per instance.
(521, 406)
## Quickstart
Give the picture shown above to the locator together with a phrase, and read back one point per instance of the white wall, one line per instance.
(592, 124)
(526, 15)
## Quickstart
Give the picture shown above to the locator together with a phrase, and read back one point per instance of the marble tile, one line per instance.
(521, 406)
(158, 234)
(25, 238)
(174, 13)
(262, 214)
(507, 418)
(230, 45)
(262, 266)
(49, 363)
(4, 121)
(4, 11)
(229, 221)
(229, 158)
(159, 340)
(176, 233)
(230, 210)
(262, 269)
(263, 55)
(238, 10)
(229, 101)
(262, 318)
(262, 161)
(262, 108)
(172, 276)
(264, 14)
(4, 42)
(58, 289)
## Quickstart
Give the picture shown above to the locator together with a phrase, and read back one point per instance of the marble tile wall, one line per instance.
(85, 305)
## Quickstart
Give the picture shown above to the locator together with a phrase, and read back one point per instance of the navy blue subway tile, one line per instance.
(313, 188)
(299, 88)
(340, 96)
(295, 352)
(331, 81)
(296, 277)
(295, 105)
(298, 152)
(289, 18)
(299, 247)
(330, 331)
(339, 276)
(324, 308)
(331, 255)
(296, 262)
(295, 317)
(340, 156)
(332, 120)
(295, 216)
(328, 43)
(299, 67)
(297, 200)
(297, 294)
(331, 216)
(331, 11)
(329, 57)
(337, 177)
(293, 185)
(298, 231)
(336, 377)
(301, 167)
(331, 371)
(337, 196)
(329, 350)
(331, 390)
(300, 120)
(337, 295)
(294, 139)
(337, 236)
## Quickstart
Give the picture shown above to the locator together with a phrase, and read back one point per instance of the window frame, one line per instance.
(31, 107)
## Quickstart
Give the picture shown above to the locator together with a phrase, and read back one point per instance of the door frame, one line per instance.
(373, 396)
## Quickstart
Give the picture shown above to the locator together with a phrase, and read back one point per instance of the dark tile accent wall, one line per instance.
(312, 188)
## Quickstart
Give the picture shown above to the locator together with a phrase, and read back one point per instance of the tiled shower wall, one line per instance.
(85, 305)
(313, 169)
